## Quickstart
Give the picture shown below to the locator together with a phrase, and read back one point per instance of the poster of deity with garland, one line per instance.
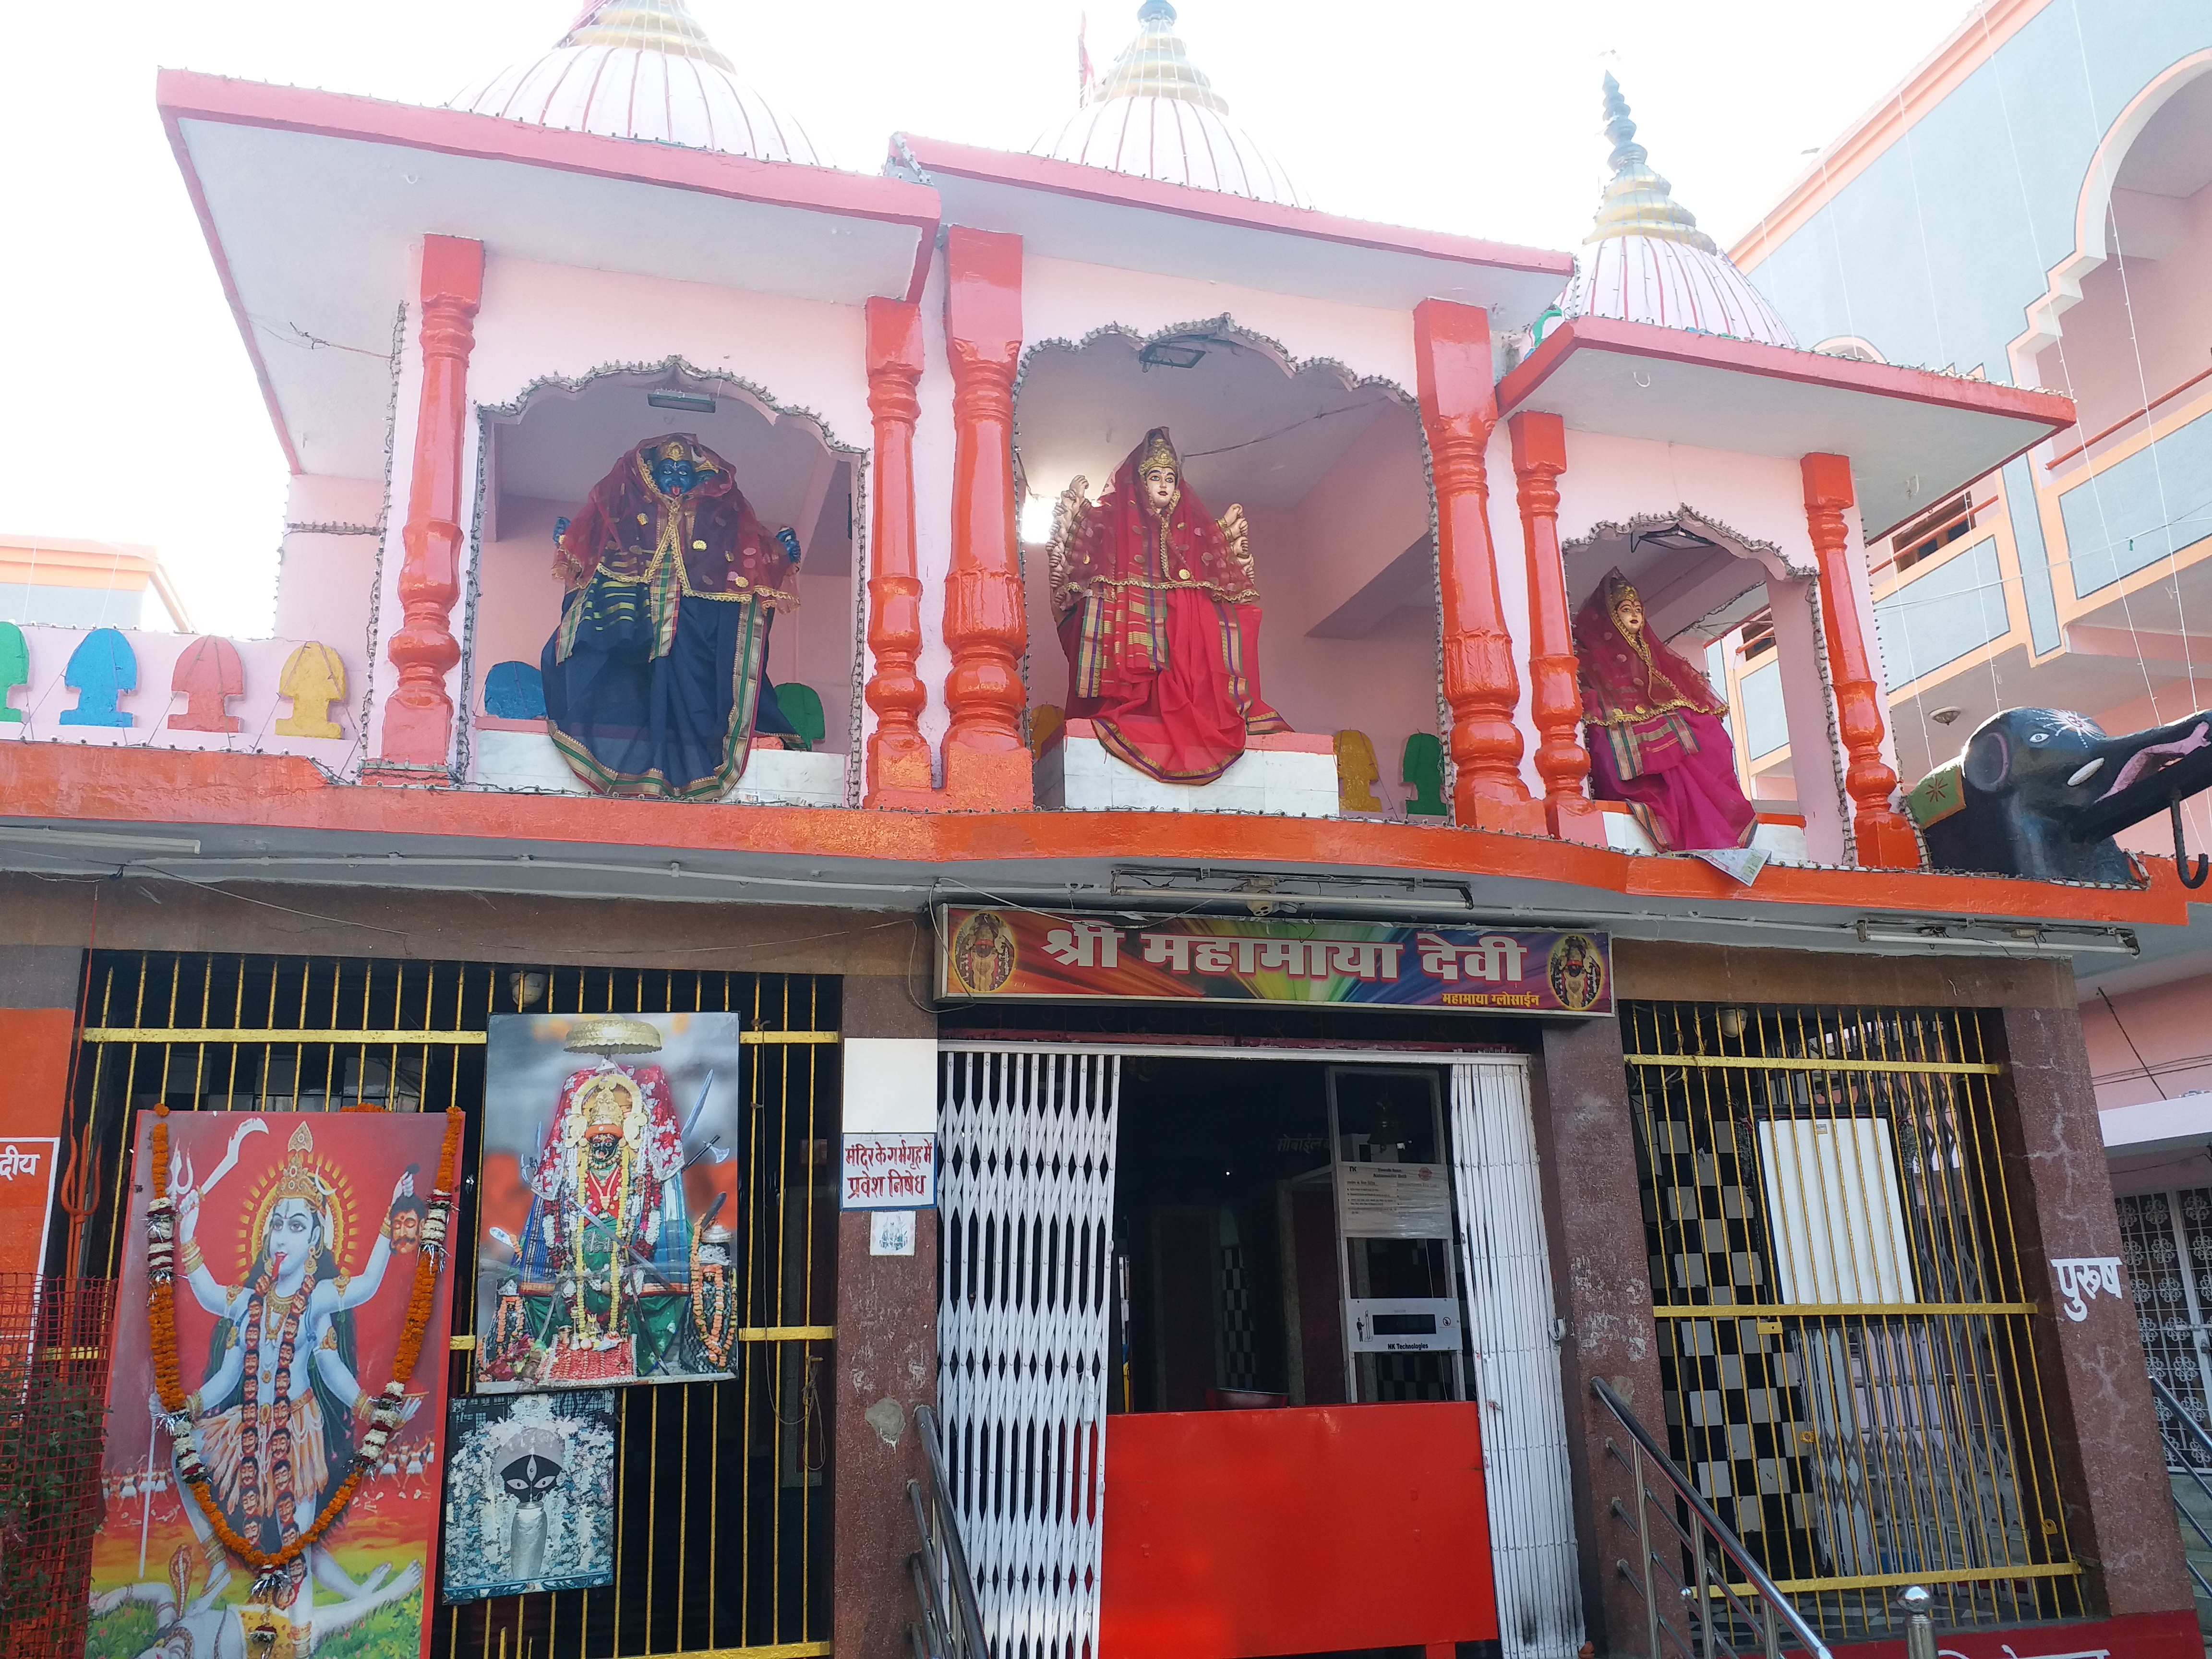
(269, 1487)
(607, 1200)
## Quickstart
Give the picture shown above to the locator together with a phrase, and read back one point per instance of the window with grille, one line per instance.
(1846, 1346)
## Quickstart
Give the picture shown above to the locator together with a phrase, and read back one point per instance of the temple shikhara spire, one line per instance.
(1156, 114)
(1649, 263)
(642, 69)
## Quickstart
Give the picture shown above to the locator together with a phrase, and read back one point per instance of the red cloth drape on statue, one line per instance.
(1655, 738)
(1160, 620)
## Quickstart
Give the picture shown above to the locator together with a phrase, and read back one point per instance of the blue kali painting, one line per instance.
(530, 1493)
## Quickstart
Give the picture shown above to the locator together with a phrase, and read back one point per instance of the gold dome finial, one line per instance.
(1635, 202)
(1155, 65)
(650, 25)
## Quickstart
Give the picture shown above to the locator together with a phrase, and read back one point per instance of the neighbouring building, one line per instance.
(1224, 1116)
(2031, 208)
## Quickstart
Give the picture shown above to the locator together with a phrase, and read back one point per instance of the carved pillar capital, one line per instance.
(418, 716)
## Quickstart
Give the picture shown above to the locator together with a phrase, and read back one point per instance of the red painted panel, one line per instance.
(1230, 1535)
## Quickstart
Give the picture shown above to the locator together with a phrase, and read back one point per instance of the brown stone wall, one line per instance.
(1601, 1283)
(886, 1366)
(1658, 970)
(274, 919)
(2104, 1426)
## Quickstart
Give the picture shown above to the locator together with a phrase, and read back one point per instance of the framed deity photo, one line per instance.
(281, 1507)
(530, 1493)
(607, 1200)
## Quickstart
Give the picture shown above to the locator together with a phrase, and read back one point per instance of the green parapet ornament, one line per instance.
(14, 671)
(802, 711)
(1422, 768)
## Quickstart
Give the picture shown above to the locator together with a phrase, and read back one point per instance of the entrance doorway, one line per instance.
(1283, 1238)
(1251, 1351)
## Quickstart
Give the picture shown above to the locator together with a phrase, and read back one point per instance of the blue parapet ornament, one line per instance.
(514, 691)
(101, 669)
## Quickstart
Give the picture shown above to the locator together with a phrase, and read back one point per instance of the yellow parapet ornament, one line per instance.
(314, 679)
(1357, 772)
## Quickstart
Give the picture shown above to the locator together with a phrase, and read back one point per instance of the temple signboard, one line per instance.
(1039, 956)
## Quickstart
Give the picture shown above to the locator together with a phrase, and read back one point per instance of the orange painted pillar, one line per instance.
(418, 716)
(1883, 835)
(898, 755)
(1555, 698)
(987, 764)
(1459, 407)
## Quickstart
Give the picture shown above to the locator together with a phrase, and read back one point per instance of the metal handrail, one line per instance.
(951, 1624)
(2203, 1445)
(1774, 1616)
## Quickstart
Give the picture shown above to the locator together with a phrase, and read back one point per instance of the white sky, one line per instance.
(128, 411)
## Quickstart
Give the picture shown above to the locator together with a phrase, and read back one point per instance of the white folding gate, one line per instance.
(1508, 1273)
(1026, 1203)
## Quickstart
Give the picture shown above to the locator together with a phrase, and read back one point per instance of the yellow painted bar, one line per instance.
(1793, 1063)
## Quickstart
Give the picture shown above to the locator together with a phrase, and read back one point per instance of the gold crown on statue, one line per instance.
(1618, 589)
(608, 1105)
(296, 1179)
(1159, 451)
(674, 449)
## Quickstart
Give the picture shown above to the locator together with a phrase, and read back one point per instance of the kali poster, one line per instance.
(609, 1200)
(1034, 955)
(530, 1493)
(297, 1241)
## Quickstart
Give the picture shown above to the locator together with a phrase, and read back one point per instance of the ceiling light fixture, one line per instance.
(1946, 715)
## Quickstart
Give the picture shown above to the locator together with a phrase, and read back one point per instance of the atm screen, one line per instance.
(1404, 1324)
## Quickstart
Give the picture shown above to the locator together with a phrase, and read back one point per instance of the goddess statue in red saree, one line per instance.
(1159, 615)
(1653, 729)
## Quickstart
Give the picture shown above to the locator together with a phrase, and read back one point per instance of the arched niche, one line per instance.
(543, 453)
(1329, 467)
(2141, 200)
(1701, 583)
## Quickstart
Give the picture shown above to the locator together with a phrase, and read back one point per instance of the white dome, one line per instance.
(1156, 115)
(1649, 263)
(642, 69)
(1650, 279)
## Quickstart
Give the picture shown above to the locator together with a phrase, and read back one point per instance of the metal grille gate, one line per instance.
(2168, 1237)
(1867, 1413)
(1026, 1202)
(1507, 1268)
(722, 1525)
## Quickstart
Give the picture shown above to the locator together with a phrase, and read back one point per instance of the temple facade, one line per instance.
(1088, 867)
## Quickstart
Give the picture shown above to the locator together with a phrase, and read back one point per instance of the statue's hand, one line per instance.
(788, 538)
(560, 530)
(1234, 527)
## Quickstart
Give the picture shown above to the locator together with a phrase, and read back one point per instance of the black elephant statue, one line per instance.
(2039, 793)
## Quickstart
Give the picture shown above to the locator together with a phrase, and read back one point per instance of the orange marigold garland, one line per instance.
(271, 1567)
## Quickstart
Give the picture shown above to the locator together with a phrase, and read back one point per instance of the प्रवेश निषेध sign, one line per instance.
(1037, 956)
(889, 1170)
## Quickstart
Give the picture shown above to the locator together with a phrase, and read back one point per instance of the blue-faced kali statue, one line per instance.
(657, 677)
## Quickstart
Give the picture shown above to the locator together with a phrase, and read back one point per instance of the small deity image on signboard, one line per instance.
(530, 1493)
(609, 1200)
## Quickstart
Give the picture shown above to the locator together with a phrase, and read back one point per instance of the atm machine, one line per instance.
(1397, 1255)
